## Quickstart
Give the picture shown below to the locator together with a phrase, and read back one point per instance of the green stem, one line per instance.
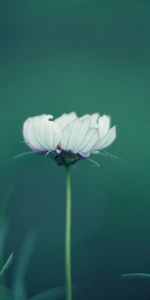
(68, 236)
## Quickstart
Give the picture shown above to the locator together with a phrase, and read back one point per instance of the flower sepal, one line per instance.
(66, 158)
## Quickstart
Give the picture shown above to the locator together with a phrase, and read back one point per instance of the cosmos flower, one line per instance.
(68, 138)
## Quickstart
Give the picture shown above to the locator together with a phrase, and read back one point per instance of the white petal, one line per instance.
(41, 134)
(84, 117)
(85, 155)
(80, 135)
(52, 135)
(65, 136)
(69, 134)
(30, 135)
(25, 133)
(104, 124)
(38, 124)
(108, 139)
(74, 135)
(89, 141)
(93, 118)
(65, 119)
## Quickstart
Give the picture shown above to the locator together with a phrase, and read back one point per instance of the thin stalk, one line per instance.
(68, 236)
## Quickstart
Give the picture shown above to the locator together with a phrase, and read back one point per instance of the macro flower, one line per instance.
(68, 138)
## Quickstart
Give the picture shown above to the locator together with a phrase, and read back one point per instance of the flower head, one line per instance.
(68, 138)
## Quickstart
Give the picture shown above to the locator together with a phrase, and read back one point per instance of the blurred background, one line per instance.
(86, 56)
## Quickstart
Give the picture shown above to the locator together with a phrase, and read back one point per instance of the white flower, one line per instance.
(69, 137)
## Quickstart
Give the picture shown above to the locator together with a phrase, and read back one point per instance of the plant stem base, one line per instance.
(68, 236)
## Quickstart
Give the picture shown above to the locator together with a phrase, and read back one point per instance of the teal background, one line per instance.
(84, 56)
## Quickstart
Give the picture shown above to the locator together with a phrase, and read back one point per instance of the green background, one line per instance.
(86, 56)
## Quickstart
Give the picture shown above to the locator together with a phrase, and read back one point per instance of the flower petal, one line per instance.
(81, 134)
(41, 134)
(89, 141)
(69, 135)
(52, 135)
(38, 124)
(94, 119)
(30, 132)
(74, 135)
(108, 139)
(104, 124)
(85, 155)
(65, 119)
